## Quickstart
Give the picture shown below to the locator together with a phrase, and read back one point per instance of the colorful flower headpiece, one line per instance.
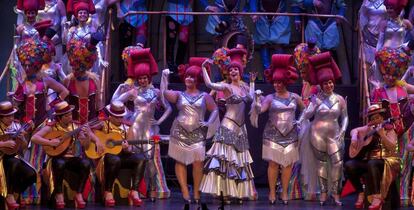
(32, 51)
(301, 56)
(220, 57)
(126, 53)
(81, 58)
(392, 62)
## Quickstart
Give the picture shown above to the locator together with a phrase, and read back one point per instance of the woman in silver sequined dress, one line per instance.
(141, 66)
(327, 129)
(189, 130)
(280, 136)
(227, 170)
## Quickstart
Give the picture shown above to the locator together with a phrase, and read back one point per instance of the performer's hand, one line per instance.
(9, 144)
(166, 72)
(103, 63)
(204, 124)
(125, 145)
(212, 9)
(100, 148)
(381, 132)
(54, 142)
(298, 25)
(155, 122)
(255, 18)
(252, 76)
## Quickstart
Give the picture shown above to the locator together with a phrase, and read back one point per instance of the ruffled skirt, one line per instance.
(186, 154)
(228, 171)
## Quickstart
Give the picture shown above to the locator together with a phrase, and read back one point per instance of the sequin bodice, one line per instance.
(282, 113)
(191, 110)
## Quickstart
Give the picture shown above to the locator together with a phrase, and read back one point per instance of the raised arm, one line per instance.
(167, 107)
(207, 80)
(170, 95)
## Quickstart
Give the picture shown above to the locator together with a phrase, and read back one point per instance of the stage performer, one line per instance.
(393, 96)
(52, 69)
(271, 31)
(189, 130)
(327, 130)
(16, 174)
(231, 176)
(280, 136)
(30, 9)
(71, 159)
(109, 166)
(374, 155)
(146, 100)
(325, 30)
(55, 11)
(31, 99)
(83, 85)
(393, 29)
(178, 27)
(85, 31)
(371, 15)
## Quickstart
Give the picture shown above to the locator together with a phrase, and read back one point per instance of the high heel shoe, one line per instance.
(377, 206)
(322, 201)
(285, 200)
(79, 204)
(59, 204)
(359, 204)
(12, 206)
(153, 196)
(337, 202)
(272, 201)
(134, 200)
(187, 200)
(109, 202)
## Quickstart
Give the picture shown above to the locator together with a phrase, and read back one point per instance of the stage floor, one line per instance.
(176, 203)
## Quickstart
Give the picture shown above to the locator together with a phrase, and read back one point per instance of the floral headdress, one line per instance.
(33, 51)
(392, 62)
(81, 58)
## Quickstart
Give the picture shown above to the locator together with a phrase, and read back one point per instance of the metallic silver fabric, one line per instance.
(187, 137)
(51, 12)
(324, 134)
(372, 13)
(281, 127)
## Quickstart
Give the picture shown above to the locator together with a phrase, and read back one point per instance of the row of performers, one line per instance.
(227, 164)
(270, 31)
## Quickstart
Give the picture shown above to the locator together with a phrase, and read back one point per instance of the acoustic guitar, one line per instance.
(14, 136)
(66, 139)
(112, 143)
(92, 151)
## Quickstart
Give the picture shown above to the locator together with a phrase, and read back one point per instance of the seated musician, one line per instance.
(373, 149)
(72, 158)
(15, 173)
(125, 159)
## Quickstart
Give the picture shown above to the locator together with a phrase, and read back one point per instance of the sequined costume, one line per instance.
(227, 168)
(280, 136)
(187, 137)
(371, 14)
(325, 30)
(146, 104)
